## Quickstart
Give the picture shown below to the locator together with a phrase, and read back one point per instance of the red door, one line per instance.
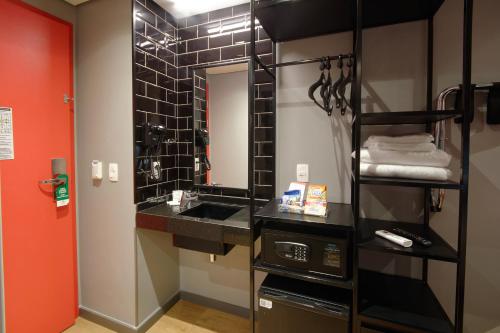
(39, 243)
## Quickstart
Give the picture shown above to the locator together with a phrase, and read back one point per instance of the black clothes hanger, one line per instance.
(325, 91)
(342, 87)
(335, 87)
(322, 82)
(313, 88)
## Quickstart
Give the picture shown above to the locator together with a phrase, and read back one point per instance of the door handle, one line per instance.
(53, 181)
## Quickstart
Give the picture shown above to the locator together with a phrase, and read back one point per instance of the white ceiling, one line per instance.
(76, 2)
(183, 8)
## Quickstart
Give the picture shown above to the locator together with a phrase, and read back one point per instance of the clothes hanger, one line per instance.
(325, 91)
(319, 83)
(342, 88)
(335, 87)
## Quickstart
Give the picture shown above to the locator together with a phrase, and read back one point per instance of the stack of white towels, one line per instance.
(409, 156)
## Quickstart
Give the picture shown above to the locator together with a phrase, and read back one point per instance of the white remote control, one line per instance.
(405, 242)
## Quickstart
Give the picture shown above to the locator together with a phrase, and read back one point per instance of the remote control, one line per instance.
(405, 242)
(420, 240)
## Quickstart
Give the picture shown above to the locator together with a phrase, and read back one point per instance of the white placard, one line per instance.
(6, 134)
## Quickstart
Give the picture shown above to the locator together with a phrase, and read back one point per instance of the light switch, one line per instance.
(96, 170)
(303, 173)
(113, 172)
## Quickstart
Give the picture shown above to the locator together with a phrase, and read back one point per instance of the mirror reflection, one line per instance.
(221, 125)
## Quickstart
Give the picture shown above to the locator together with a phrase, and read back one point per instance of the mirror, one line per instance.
(220, 103)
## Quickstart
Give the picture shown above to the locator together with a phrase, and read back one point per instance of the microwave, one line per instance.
(308, 252)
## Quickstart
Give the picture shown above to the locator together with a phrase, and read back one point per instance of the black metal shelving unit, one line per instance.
(380, 302)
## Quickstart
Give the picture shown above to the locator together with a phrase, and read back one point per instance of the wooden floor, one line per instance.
(183, 317)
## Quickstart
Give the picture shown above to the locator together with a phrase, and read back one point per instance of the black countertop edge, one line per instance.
(339, 216)
(234, 230)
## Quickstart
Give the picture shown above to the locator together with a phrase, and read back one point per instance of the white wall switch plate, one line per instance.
(96, 170)
(196, 164)
(303, 173)
(113, 172)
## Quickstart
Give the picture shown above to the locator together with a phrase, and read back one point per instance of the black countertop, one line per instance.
(339, 216)
(234, 230)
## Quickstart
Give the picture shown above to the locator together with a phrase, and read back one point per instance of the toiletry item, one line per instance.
(298, 186)
(404, 242)
(291, 198)
(493, 112)
(176, 198)
(177, 195)
(291, 202)
(316, 200)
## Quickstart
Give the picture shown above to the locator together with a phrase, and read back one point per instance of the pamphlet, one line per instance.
(316, 200)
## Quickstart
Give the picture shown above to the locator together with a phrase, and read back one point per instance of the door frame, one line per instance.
(2, 300)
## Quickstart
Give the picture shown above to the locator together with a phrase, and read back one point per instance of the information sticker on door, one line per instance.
(265, 303)
(61, 192)
(6, 134)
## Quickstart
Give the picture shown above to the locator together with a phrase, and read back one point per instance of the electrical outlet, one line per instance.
(303, 173)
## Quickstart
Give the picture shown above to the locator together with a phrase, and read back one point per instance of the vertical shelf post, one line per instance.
(358, 57)
(428, 128)
(251, 158)
(463, 210)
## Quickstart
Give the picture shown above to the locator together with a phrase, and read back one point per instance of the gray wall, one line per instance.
(228, 122)
(157, 272)
(482, 313)
(104, 132)
(226, 280)
(125, 276)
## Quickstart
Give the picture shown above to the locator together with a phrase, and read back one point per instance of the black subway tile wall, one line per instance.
(155, 96)
(165, 51)
(200, 122)
(228, 35)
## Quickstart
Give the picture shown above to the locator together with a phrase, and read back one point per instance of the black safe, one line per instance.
(309, 251)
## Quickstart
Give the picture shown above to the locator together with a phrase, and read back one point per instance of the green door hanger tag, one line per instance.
(61, 192)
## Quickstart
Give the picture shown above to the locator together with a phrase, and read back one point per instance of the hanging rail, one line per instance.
(267, 68)
(310, 61)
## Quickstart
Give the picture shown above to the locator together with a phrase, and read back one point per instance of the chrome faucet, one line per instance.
(187, 197)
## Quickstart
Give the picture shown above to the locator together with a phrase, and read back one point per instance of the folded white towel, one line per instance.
(406, 147)
(437, 158)
(412, 138)
(403, 171)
